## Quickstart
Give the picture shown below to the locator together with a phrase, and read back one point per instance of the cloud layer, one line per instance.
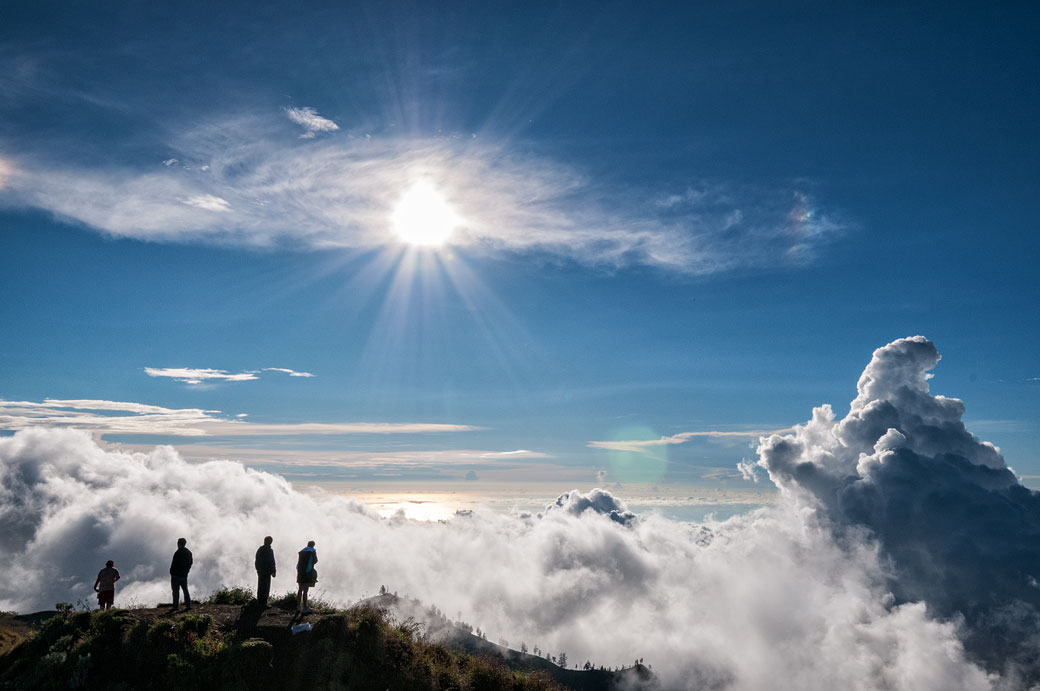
(120, 417)
(248, 181)
(901, 546)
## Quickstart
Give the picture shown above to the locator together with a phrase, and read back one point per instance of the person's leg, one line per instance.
(263, 589)
(300, 595)
(306, 589)
(187, 597)
(175, 584)
(105, 599)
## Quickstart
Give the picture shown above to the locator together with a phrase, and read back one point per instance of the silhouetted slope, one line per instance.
(208, 649)
(460, 637)
(249, 649)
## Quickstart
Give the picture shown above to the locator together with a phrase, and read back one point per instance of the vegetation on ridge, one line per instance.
(357, 648)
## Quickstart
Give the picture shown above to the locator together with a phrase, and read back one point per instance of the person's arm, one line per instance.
(96, 581)
(116, 578)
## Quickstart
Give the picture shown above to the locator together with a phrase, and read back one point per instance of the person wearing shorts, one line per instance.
(105, 585)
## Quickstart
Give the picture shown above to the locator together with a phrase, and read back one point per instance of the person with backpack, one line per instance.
(306, 576)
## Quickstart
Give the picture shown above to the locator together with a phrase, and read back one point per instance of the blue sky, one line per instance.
(673, 220)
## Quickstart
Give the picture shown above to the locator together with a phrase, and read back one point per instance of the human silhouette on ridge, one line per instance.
(265, 571)
(179, 568)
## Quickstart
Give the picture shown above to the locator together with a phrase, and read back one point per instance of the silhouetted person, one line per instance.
(265, 571)
(105, 585)
(179, 568)
(306, 575)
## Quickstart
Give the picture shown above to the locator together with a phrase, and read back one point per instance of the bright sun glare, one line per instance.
(424, 217)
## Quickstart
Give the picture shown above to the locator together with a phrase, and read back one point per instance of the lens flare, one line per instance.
(646, 465)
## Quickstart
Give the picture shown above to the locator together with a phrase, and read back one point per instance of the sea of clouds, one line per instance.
(902, 555)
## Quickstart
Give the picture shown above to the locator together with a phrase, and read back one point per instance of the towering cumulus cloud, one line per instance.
(901, 555)
(959, 532)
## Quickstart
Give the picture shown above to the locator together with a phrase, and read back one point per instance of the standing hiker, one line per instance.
(265, 570)
(306, 576)
(105, 585)
(179, 568)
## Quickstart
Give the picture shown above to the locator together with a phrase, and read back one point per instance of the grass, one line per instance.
(315, 602)
(355, 648)
(225, 595)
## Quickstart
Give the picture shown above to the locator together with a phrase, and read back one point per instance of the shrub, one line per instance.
(230, 596)
(315, 602)
(248, 663)
(195, 624)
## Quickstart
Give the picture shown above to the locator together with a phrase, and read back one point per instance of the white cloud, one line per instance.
(341, 193)
(208, 202)
(765, 600)
(235, 428)
(6, 170)
(309, 119)
(98, 417)
(680, 438)
(191, 375)
(897, 556)
(291, 373)
(949, 516)
(137, 418)
(338, 457)
(519, 453)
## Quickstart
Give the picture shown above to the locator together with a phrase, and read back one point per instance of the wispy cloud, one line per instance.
(238, 428)
(291, 373)
(209, 202)
(244, 181)
(309, 119)
(318, 457)
(190, 375)
(5, 172)
(121, 417)
(680, 438)
(519, 453)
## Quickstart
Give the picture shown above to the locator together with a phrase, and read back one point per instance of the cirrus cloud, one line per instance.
(680, 438)
(242, 181)
(192, 375)
(309, 119)
(117, 417)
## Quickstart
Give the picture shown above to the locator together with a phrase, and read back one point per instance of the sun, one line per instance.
(423, 217)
